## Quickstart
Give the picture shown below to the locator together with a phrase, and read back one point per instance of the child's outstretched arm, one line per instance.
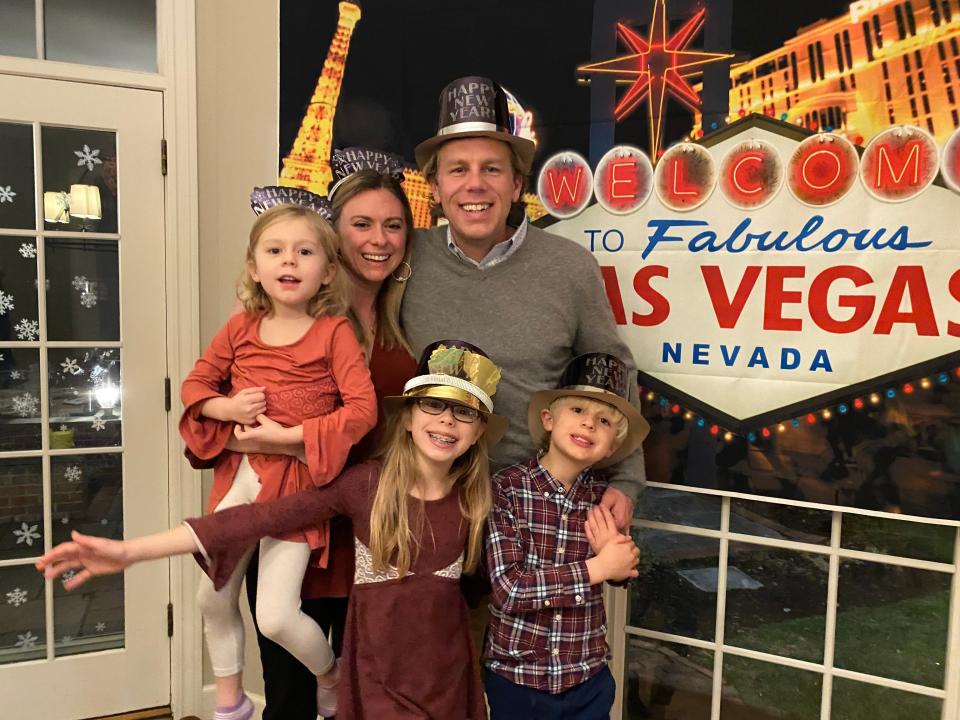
(519, 588)
(94, 556)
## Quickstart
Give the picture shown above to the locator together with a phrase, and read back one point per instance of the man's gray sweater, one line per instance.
(531, 313)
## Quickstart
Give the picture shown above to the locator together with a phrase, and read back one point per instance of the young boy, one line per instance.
(546, 652)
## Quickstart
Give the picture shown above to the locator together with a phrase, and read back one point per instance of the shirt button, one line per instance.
(556, 616)
(560, 551)
(546, 494)
(546, 603)
(564, 517)
(555, 651)
(560, 490)
(579, 598)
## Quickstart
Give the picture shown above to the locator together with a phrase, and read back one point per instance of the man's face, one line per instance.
(475, 184)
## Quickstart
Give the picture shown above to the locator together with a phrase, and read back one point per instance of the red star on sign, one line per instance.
(657, 66)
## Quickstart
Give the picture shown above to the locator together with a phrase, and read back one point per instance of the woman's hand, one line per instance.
(92, 555)
(269, 436)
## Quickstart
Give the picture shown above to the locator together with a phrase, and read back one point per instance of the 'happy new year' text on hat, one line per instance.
(475, 107)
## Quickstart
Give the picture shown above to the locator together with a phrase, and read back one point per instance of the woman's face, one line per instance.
(373, 234)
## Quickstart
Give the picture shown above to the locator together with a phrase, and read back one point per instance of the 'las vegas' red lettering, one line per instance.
(862, 305)
(728, 311)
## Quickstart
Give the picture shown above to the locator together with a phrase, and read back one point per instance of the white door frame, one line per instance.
(176, 48)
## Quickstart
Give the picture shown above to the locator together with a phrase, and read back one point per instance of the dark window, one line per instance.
(950, 95)
(946, 75)
(954, 46)
(766, 68)
(877, 31)
(955, 117)
(890, 116)
(926, 104)
(906, 63)
(901, 28)
(911, 22)
(918, 59)
(956, 64)
(941, 50)
(781, 62)
(910, 84)
(946, 10)
(886, 71)
(853, 80)
(843, 84)
(913, 107)
(922, 81)
(813, 67)
(867, 40)
(820, 59)
(935, 12)
(744, 78)
(788, 102)
(848, 51)
(930, 125)
(886, 91)
(836, 44)
(793, 67)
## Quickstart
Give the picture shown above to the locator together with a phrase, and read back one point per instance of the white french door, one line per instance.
(83, 428)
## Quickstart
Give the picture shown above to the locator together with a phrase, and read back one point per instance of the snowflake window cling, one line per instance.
(66, 639)
(27, 534)
(88, 157)
(69, 365)
(26, 641)
(16, 375)
(7, 194)
(27, 330)
(6, 303)
(101, 626)
(25, 405)
(17, 597)
(79, 281)
(73, 473)
(28, 250)
(98, 423)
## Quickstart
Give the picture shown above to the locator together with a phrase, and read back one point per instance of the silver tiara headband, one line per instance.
(347, 161)
(263, 198)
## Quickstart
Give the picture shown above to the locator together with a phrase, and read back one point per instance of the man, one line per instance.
(531, 299)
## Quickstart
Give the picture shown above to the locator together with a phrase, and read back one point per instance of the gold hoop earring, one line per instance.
(406, 276)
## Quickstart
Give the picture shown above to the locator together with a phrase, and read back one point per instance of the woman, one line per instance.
(372, 216)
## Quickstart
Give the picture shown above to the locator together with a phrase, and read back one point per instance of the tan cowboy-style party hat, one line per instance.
(597, 376)
(475, 107)
(458, 371)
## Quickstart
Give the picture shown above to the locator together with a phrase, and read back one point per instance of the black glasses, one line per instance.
(436, 406)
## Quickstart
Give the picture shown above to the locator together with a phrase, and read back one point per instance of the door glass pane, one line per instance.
(764, 691)
(84, 397)
(892, 622)
(18, 289)
(88, 497)
(79, 179)
(18, 34)
(112, 33)
(677, 588)
(19, 400)
(21, 508)
(783, 522)
(90, 618)
(17, 208)
(679, 508)
(23, 634)
(667, 681)
(776, 601)
(83, 299)
(898, 537)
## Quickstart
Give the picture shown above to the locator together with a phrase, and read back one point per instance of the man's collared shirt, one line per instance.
(498, 253)
(547, 626)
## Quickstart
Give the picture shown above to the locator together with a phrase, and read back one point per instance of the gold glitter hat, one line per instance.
(458, 371)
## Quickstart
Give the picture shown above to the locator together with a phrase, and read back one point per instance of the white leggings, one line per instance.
(281, 570)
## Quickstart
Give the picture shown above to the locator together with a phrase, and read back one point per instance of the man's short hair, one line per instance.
(430, 167)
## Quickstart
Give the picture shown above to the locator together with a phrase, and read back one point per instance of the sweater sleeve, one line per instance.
(205, 437)
(517, 587)
(327, 439)
(224, 536)
(597, 332)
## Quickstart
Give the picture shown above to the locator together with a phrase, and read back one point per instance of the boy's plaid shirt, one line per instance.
(547, 626)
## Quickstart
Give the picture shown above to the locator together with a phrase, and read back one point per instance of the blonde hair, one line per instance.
(430, 167)
(391, 538)
(618, 418)
(390, 296)
(331, 299)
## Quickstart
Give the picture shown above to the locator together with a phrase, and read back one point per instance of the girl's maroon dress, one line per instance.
(407, 650)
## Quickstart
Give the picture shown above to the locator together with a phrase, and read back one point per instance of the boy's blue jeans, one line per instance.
(590, 700)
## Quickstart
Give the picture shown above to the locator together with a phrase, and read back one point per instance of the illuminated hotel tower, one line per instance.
(882, 63)
(308, 164)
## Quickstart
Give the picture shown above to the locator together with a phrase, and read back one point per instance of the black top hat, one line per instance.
(263, 198)
(598, 376)
(458, 371)
(475, 107)
(344, 162)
